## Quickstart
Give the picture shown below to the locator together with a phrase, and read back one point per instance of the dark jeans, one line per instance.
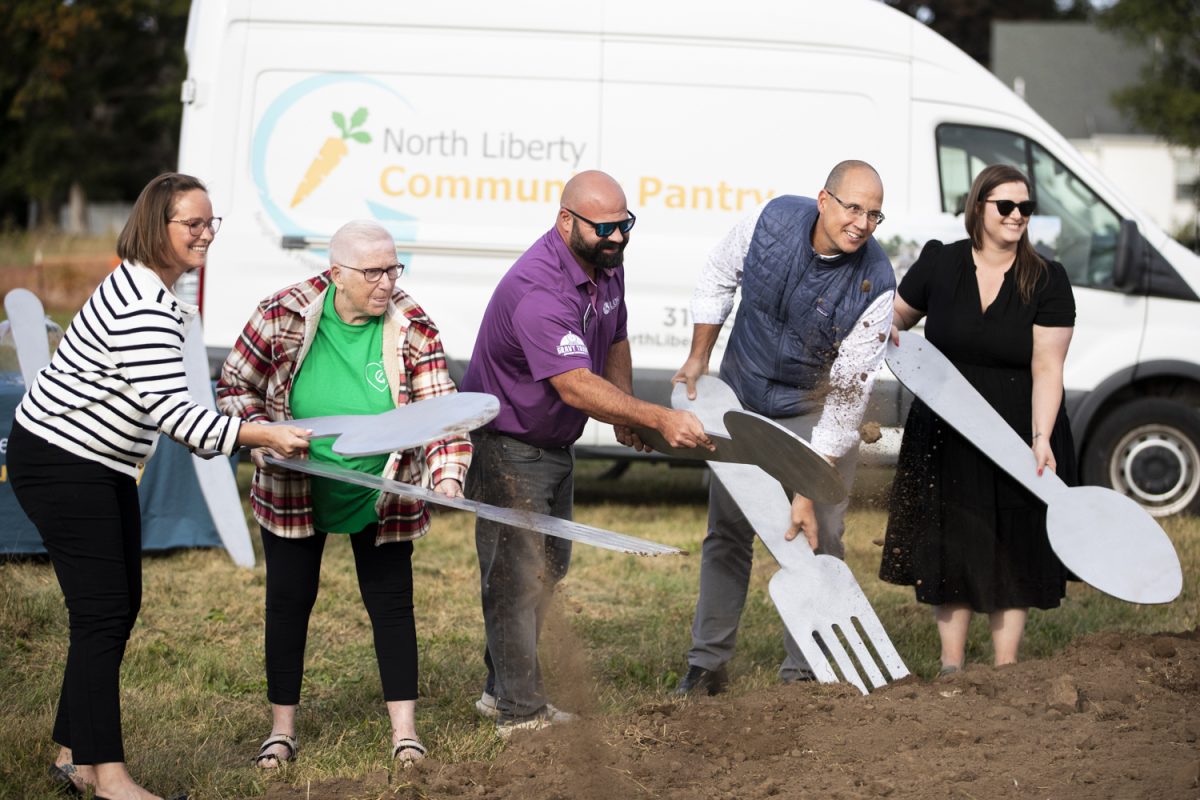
(90, 521)
(386, 586)
(518, 569)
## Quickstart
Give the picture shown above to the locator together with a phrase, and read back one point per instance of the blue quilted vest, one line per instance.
(796, 308)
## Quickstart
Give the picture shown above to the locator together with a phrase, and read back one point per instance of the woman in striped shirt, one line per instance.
(84, 429)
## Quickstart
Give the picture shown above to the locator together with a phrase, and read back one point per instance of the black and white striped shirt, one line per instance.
(117, 379)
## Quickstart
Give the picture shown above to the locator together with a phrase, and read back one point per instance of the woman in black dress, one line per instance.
(964, 534)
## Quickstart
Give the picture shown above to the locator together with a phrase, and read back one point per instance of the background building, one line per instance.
(1068, 71)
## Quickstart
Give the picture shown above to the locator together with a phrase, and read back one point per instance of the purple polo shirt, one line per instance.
(542, 322)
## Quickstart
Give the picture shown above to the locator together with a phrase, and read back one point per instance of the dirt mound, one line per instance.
(1113, 716)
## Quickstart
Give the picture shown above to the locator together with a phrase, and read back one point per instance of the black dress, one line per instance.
(959, 529)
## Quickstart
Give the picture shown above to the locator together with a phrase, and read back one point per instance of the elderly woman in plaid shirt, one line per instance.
(347, 341)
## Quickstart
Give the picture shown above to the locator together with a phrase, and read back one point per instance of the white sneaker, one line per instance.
(486, 707)
(547, 716)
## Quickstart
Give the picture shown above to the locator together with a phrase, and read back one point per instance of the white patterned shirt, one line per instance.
(852, 374)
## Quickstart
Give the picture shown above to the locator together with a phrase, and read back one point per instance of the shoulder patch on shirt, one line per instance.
(572, 345)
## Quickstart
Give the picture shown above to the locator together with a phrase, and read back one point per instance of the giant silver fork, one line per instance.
(819, 600)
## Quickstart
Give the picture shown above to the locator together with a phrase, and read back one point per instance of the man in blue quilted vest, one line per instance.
(807, 341)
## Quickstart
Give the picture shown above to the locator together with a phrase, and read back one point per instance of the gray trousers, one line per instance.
(726, 558)
(518, 569)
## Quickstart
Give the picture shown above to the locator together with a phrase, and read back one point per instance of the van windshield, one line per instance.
(1072, 225)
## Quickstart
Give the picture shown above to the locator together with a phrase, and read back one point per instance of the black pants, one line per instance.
(90, 521)
(385, 584)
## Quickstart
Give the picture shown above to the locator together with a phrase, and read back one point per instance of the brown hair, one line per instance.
(1029, 265)
(144, 237)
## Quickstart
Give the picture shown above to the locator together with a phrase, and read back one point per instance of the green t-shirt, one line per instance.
(342, 374)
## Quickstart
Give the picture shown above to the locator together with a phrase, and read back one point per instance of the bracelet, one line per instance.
(1034, 439)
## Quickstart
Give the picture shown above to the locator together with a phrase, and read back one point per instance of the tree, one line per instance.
(89, 96)
(1167, 101)
(968, 23)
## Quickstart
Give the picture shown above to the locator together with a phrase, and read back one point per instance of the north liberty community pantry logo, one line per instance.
(314, 196)
(331, 153)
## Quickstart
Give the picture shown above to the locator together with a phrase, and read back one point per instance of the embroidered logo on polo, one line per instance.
(376, 377)
(611, 305)
(572, 345)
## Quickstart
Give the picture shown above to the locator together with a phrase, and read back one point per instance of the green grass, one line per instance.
(194, 691)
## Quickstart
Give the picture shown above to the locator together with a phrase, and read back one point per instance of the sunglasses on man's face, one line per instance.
(605, 229)
(1005, 207)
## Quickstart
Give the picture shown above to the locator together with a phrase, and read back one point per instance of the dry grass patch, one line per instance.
(193, 683)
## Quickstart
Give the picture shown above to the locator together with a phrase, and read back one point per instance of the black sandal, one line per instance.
(63, 779)
(276, 738)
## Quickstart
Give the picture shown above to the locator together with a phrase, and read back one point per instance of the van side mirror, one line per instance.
(1129, 256)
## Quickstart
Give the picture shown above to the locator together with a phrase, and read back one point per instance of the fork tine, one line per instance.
(888, 656)
(830, 640)
(865, 659)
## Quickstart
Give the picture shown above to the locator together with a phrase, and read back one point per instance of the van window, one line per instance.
(1072, 226)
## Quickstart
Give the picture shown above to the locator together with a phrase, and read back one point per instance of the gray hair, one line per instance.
(353, 236)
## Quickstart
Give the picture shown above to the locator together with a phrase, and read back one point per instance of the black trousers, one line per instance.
(91, 524)
(386, 586)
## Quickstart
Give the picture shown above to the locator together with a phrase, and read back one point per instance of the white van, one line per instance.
(456, 124)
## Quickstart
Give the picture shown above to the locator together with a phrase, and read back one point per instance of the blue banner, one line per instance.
(173, 510)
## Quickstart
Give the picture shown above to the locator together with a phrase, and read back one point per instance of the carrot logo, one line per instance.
(331, 153)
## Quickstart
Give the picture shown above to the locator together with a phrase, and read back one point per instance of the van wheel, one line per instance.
(1149, 450)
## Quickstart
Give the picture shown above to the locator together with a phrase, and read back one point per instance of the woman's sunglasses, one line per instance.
(1005, 207)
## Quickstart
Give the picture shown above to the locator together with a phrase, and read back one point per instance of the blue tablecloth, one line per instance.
(173, 510)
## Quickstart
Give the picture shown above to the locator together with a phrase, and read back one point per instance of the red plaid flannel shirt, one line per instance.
(256, 385)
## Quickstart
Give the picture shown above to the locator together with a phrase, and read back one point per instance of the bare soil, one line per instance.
(1113, 716)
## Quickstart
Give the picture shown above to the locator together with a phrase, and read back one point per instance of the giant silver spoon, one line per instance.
(1102, 536)
(403, 427)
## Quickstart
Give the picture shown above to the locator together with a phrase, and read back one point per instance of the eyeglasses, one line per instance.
(1005, 207)
(196, 226)
(605, 229)
(874, 217)
(373, 274)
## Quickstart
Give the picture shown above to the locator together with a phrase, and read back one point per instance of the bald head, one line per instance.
(592, 190)
(845, 169)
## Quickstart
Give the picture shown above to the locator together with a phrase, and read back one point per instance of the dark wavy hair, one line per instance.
(144, 237)
(1029, 266)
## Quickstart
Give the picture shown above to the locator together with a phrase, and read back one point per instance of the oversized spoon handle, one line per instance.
(929, 375)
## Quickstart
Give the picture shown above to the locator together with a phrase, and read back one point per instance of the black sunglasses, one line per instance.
(1005, 207)
(605, 229)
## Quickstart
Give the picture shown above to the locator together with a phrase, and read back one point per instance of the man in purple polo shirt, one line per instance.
(552, 347)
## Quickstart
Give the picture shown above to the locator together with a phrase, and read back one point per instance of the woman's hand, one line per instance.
(286, 441)
(449, 487)
(1043, 454)
(259, 456)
